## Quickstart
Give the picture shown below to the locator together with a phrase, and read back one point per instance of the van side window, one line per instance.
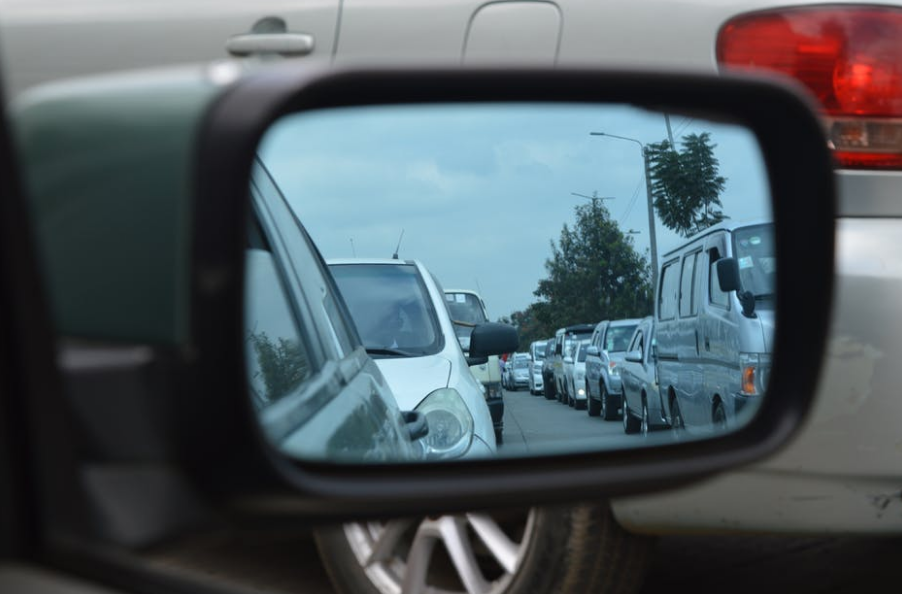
(686, 285)
(669, 296)
(715, 295)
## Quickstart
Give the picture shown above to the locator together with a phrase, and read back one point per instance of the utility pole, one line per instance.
(669, 131)
(651, 208)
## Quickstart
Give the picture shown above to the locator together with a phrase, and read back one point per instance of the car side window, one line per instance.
(686, 285)
(667, 302)
(277, 358)
(308, 276)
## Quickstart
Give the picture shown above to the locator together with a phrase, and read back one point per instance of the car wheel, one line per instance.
(608, 412)
(677, 425)
(593, 407)
(499, 436)
(576, 549)
(630, 423)
(571, 400)
(719, 418)
(644, 425)
(550, 392)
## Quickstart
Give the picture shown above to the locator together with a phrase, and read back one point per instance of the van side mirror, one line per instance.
(593, 351)
(493, 339)
(728, 274)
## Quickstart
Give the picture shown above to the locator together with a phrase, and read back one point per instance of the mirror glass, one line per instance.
(424, 282)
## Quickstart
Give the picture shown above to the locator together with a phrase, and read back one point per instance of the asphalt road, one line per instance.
(535, 425)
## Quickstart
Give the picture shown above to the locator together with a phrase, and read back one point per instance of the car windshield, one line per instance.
(466, 308)
(391, 308)
(617, 338)
(521, 362)
(539, 352)
(754, 251)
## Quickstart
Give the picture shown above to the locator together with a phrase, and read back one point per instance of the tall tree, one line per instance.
(686, 186)
(594, 274)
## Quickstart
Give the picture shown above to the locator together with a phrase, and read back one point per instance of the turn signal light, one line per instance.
(849, 57)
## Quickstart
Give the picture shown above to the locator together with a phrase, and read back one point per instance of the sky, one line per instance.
(480, 190)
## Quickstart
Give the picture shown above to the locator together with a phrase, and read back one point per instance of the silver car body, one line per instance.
(536, 362)
(414, 378)
(640, 378)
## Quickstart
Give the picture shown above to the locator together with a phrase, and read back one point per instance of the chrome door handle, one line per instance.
(285, 44)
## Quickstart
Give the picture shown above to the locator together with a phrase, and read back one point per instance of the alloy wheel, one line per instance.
(476, 552)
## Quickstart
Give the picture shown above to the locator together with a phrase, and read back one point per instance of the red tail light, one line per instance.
(849, 57)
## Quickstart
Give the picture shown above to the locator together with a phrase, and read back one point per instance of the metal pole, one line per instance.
(651, 222)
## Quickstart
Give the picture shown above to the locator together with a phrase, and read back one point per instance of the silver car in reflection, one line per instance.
(643, 408)
(398, 308)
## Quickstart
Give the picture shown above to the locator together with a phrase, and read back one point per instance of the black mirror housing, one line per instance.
(727, 274)
(493, 339)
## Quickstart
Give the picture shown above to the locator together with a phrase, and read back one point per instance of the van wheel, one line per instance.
(575, 549)
(549, 390)
(719, 418)
(677, 425)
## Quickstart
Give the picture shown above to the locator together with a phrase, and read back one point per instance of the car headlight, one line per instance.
(450, 424)
(613, 369)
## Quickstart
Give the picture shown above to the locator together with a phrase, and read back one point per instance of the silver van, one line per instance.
(714, 318)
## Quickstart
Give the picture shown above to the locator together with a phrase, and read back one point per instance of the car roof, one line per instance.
(342, 261)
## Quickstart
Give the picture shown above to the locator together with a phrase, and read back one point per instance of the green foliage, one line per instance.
(594, 274)
(686, 186)
(282, 364)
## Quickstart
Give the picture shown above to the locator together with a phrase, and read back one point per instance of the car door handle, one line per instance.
(284, 44)
(417, 426)
(707, 344)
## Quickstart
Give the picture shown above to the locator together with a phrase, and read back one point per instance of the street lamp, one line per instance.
(651, 212)
(633, 232)
(594, 196)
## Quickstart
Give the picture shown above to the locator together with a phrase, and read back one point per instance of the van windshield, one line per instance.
(753, 248)
(464, 307)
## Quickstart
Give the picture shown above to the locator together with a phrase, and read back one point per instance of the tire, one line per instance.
(719, 418)
(577, 549)
(677, 425)
(499, 436)
(549, 390)
(571, 401)
(644, 422)
(630, 423)
(593, 407)
(608, 412)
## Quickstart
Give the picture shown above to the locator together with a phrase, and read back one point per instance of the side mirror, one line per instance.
(592, 351)
(493, 339)
(634, 356)
(727, 274)
(190, 232)
(471, 361)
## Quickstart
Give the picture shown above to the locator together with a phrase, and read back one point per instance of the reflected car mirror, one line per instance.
(634, 356)
(493, 339)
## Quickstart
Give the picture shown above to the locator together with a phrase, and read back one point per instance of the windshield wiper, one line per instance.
(389, 352)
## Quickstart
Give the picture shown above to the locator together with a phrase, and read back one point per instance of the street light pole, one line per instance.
(651, 212)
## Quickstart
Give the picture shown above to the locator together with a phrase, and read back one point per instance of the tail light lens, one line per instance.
(849, 57)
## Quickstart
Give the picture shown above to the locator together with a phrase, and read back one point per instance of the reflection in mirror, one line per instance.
(631, 276)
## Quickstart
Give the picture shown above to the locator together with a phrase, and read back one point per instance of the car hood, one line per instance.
(414, 378)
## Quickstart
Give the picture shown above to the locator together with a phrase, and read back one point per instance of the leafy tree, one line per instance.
(594, 274)
(282, 365)
(686, 186)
